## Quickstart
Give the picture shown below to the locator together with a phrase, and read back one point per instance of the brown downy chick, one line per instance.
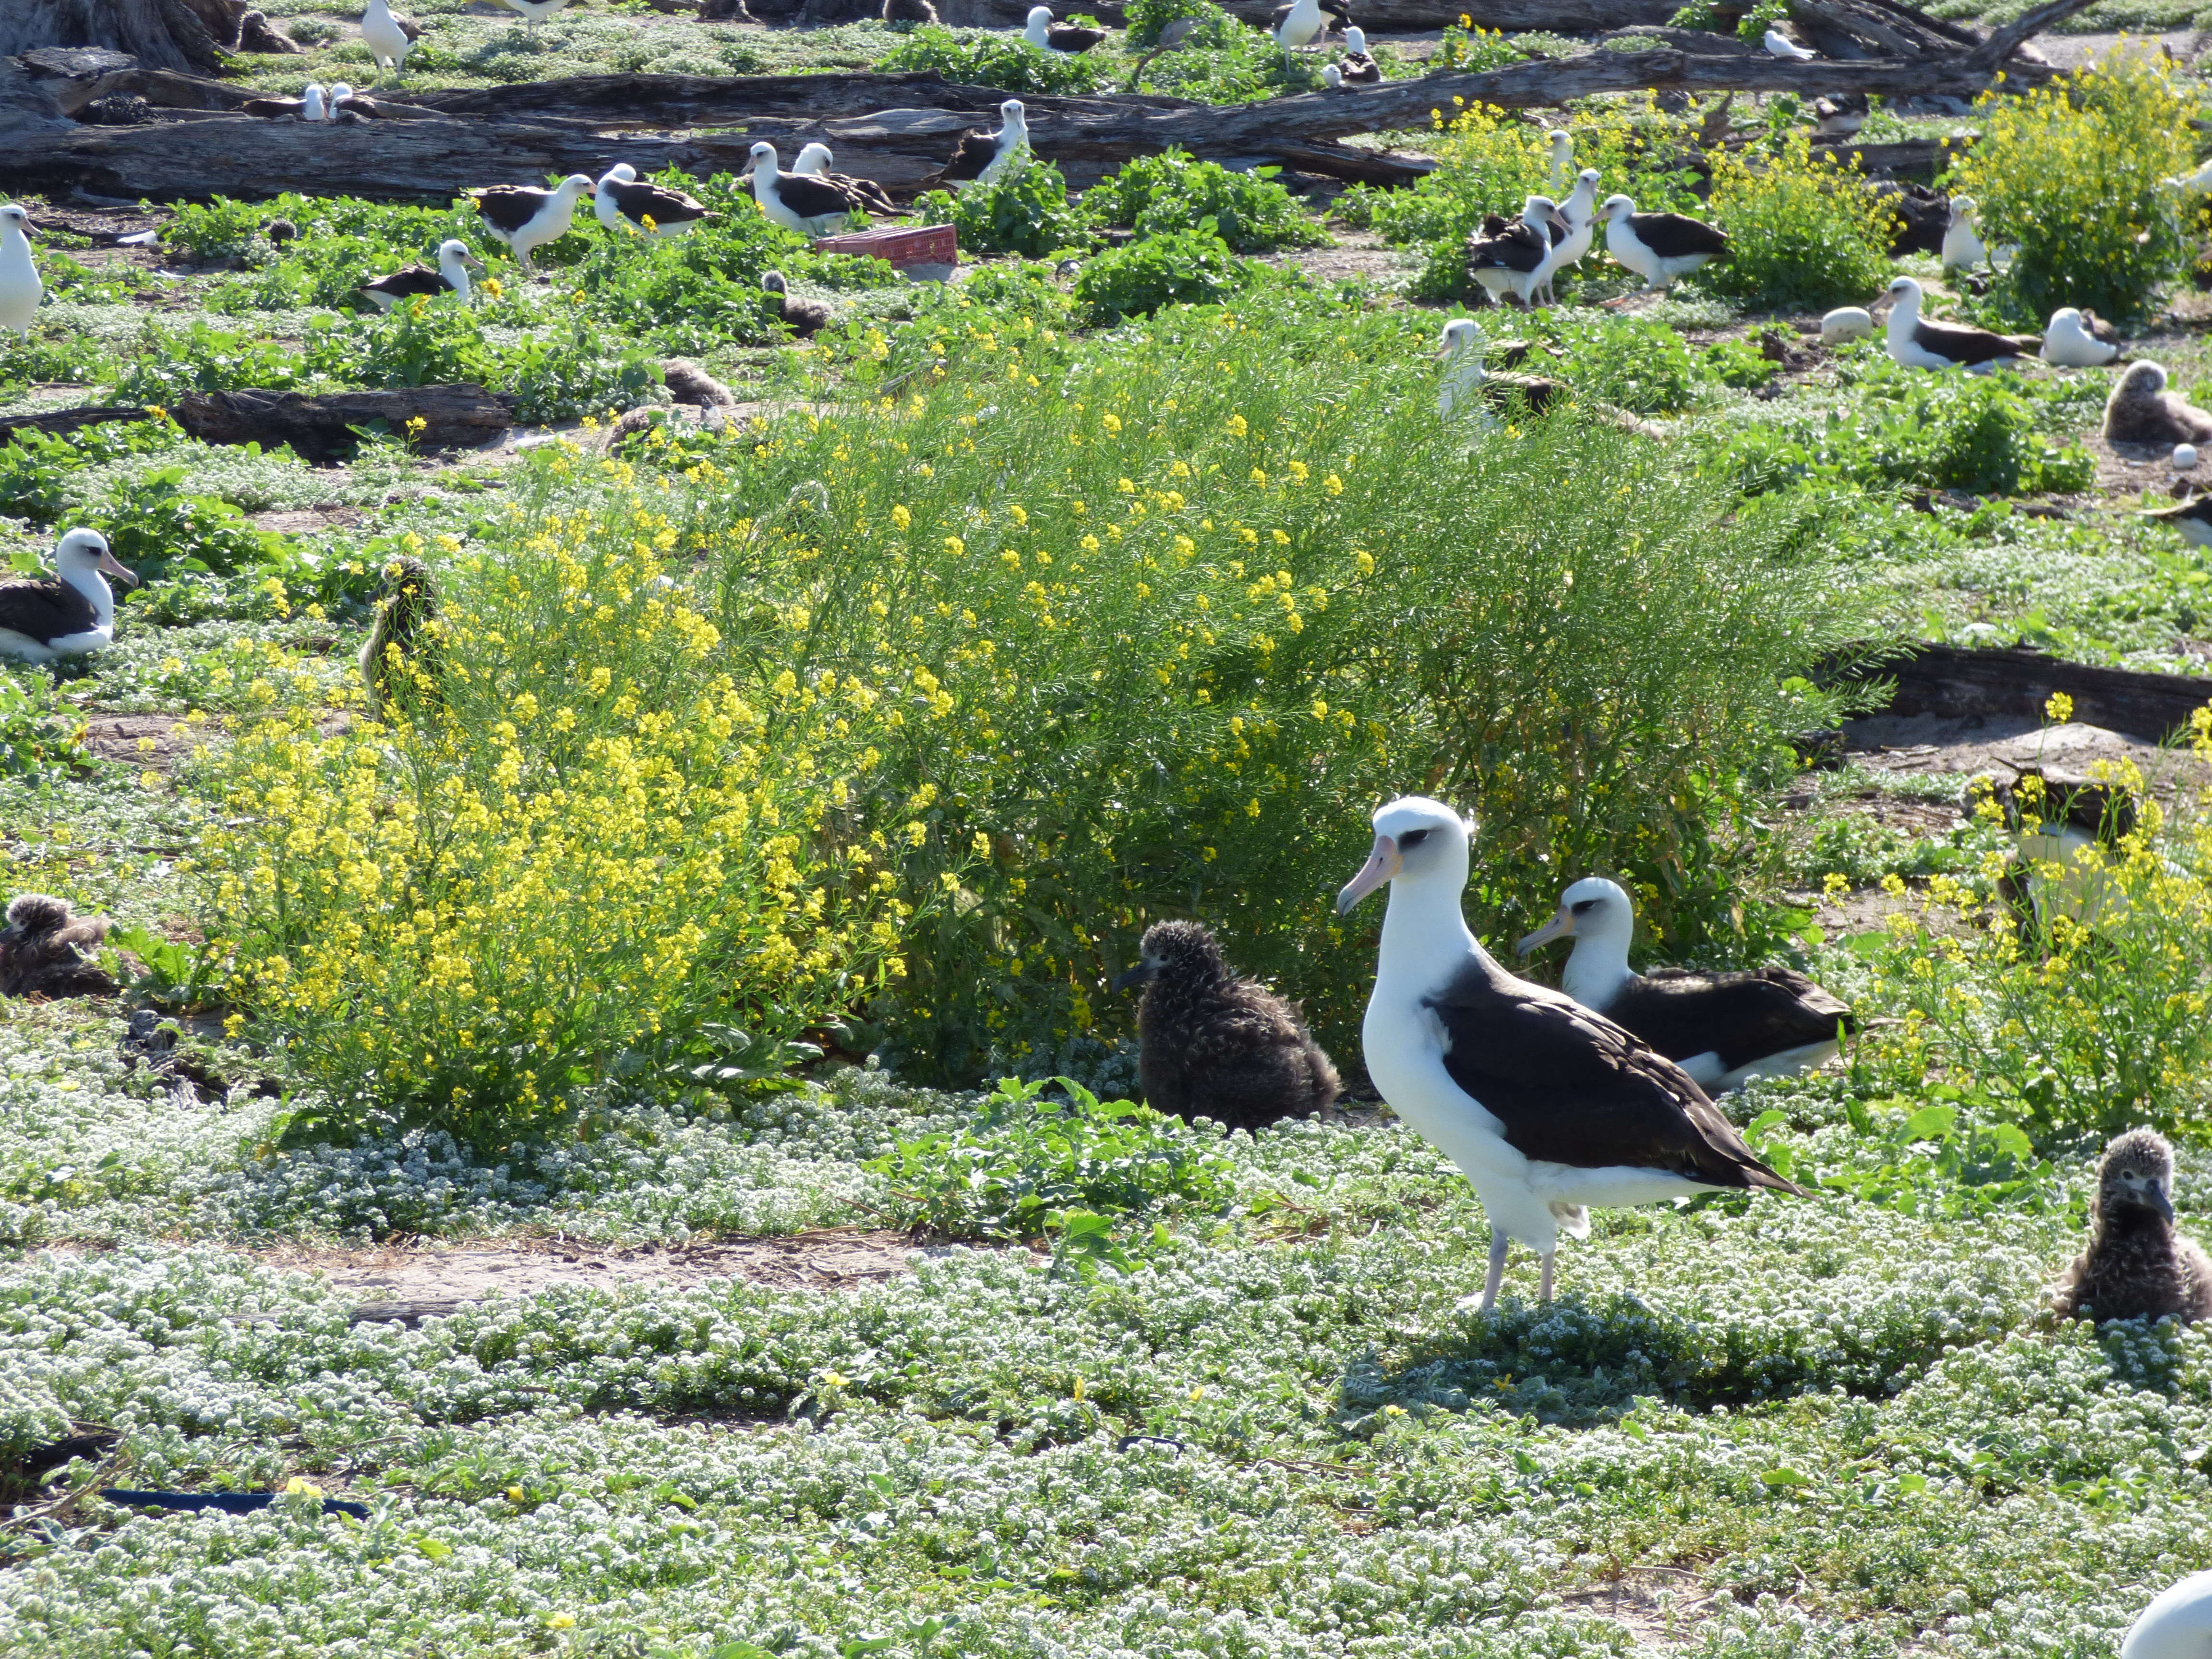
(2136, 1266)
(405, 612)
(1217, 1046)
(43, 950)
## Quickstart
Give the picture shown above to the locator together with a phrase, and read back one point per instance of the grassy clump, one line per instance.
(1804, 234)
(1180, 267)
(1026, 211)
(991, 58)
(1249, 212)
(2070, 173)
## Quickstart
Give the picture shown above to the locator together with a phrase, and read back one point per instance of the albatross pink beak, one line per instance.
(1561, 926)
(1382, 864)
(107, 564)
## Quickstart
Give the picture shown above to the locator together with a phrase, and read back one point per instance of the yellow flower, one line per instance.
(1236, 426)
(902, 518)
(561, 1621)
(2060, 707)
(955, 546)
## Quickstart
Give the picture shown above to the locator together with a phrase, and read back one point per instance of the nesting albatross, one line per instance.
(68, 614)
(1915, 341)
(1547, 1108)
(980, 158)
(1040, 32)
(2141, 410)
(2136, 1266)
(620, 199)
(1723, 1029)
(2074, 338)
(451, 275)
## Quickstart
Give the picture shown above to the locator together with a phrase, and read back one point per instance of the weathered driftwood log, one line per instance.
(1945, 680)
(54, 423)
(178, 35)
(321, 428)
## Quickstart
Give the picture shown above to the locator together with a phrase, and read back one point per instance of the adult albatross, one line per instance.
(67, 614)
(621, 200)
(1547, 1108)
(811, 203)
(526, 218)
(1723, 1029)
(1915, 343)
(1659, 247)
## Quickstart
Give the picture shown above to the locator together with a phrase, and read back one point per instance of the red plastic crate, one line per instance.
(900, 246)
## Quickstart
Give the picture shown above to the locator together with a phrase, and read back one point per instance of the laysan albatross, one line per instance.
(1517, 258)
(619, 199)
(807, 202)
(1357, 65)
(68, 614)
(2176, 1624)
(1580, 211)
(2074, 338)
(1723, 1029)
(21, 286)
(526, 218)
(984, 157)
(386, 37)
(1468, 380)
(1658, 246)
(451, 275)
(817, 160)
(1915, 343)
(1547, 1108)
(1040, 32)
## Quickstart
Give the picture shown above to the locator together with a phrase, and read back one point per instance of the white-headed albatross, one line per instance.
(619, 199)
(21, 286)
(311, 104)
(533, 13)
(2176, 1624)
(1962, 239)
(1723, 1029)
(1517, 258)
(1917, 342)
(1560, 146)
(1658, 246)
(2074, 338)
(1779, 44)
(386, 37)
(1357, 65)
(807, 202)
(1468, 380)
(455, 262)
(1580, 211)
(1547, 1108)
(526, 218)
(817, 161)
(983, 157)
(69, 613)
(1040, 32)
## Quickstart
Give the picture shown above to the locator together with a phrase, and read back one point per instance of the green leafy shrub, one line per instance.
(1636, 365)
(2070, 173)
(1174, 617)
(1249, 212)
(993, 58)
(205, 359)
(1024, 211)
(1147, 18)
(1804, 234)
(1221, 60)
(40, 734)
(1193, 267)
(1026, 1159)
(1466, 48)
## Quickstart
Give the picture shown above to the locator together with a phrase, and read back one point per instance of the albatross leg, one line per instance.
(1544, 1290)
(1499, 1244)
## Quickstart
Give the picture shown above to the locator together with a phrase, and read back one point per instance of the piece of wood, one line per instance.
(1947, 681)
(1514, 16)
(164, 34)
(320, 427)
(55, 422)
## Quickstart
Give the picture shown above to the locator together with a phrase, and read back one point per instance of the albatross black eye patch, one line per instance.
(1412, 838)
(1585, 906)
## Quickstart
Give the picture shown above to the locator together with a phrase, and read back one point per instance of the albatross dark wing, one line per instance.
(1677, 236)
(1517, 247)
(1740, 1017)
(408, 283)
(1571, 1087)
(636, 202)
(1962, 344)
(977, 150)
(1073, 37)
(870, 196)
(45, 610)
(810, 196)
(510, 207)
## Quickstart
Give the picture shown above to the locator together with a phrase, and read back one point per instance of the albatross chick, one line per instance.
(43, 949)
(2141, 410)
(2136, 1266)
(1216, 1045)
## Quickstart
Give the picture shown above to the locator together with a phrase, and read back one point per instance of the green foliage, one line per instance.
(202, 358)
(1465, 48)
(1160, 687)
(180, 979)
(1193, 267)
(1977, 433)
(40, 734)
(1221, 61)
(1752, 27)
(1738, 364)
(1025, 211)
(1146, 18)
(993, 59)
(1249, 212)
(1028, 1160)
(1926, 1161)
(2070, 173)
(1804, 234)
(1634, 364)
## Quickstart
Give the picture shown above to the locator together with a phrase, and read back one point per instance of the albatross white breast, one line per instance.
(811, 203)
(1547, 1108)
(526, 218)
(1917, 342)
(21, 287)
(983, 157)
(1519, 257)
(2074, 338)
(69, 613)
(1658, 246)
(1723, 1029)
(455, 262)
(618, 200)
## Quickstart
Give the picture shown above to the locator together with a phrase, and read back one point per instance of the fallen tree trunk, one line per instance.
(57, 422)
(322, 427)
(1947, 681)
(444, 152)
(175, 34)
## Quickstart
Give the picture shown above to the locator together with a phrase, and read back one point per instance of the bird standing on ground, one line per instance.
(1219, 1046)
(1301, 23)
(21, 286)
(1517, 258)
(817, 161)
(1723, 1029)
(526, 218)
(534, 13)
(386, 37)
(42, 949)
(1547, 1108)
(451, 274)
(2079, 339)
(620, 200)
(810, 203)
(1963, 248)
(1040, 32)
(1560, 145)
(69, 614)
(1658, 246)
(2176, 1624)
(2141, 410)
(1580, 211)
(985, 157)
(1358, 66)
(1781, 45)
(2136, 1266)
(1915, 341)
